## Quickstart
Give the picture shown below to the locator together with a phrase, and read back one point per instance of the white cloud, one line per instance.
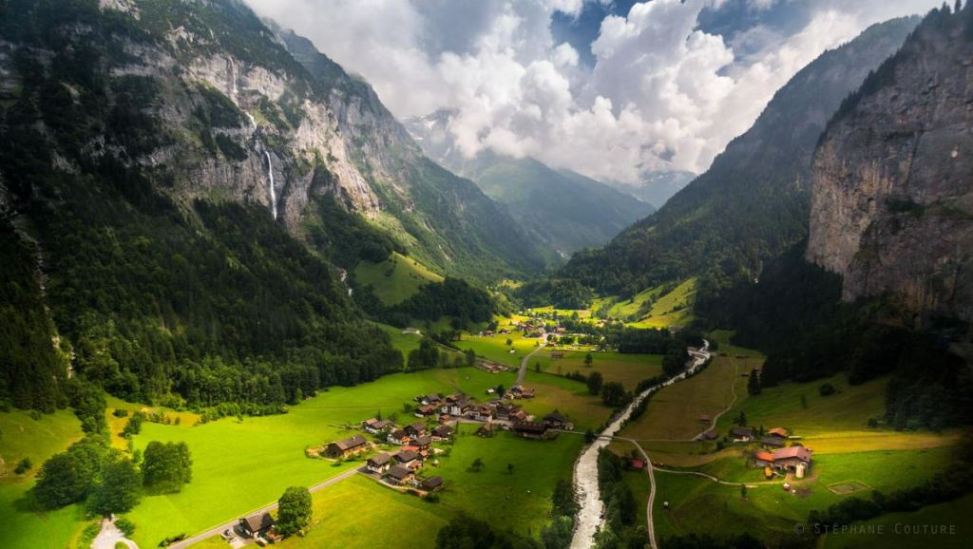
(661, 95)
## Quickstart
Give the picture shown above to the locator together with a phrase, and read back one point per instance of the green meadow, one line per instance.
(37, 440)
(898, 529)
(395, 279)
(700, 506)
(240, 465)
(627, 369)
(495, 347)
(653, 307)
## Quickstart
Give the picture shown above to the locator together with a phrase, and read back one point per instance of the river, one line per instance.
(589, 517)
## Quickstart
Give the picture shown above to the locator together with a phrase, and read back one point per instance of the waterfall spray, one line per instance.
(270, 184)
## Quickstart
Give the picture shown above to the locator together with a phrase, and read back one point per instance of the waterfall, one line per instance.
(270, 184)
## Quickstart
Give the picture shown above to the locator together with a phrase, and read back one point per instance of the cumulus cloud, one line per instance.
(662, 93)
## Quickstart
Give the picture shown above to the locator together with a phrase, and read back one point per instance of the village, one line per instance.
(402, 457)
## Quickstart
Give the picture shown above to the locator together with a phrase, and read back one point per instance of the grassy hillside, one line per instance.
(395, 279)
(627, 369)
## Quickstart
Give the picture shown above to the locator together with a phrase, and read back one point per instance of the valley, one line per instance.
(440, 275)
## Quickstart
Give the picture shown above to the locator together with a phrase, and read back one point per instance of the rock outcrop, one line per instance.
(892, 190)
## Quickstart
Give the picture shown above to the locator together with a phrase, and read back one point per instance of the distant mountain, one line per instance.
(656, 188)
(561, 210)
(753, 202)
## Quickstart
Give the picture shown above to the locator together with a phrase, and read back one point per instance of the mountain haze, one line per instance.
(562, 211)
(753, 201)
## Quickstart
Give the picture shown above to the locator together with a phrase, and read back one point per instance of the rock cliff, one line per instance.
(892, 183)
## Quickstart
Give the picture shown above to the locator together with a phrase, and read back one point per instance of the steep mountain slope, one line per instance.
(753, 201)
(656, 188)
(892, 200)
(562, 211)
(173, 183)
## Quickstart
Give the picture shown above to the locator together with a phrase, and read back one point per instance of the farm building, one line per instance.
(778, 432)
(400, 475)
(793, 459)
(555, 420)
(257, 524)
(423, 442)
(415, 430)
(442, 432)
(432, 484)
(376, 426)
(347, 447)
(531, 429)
(407, 458)
(741, 434)
(772, 442)
(379, 463)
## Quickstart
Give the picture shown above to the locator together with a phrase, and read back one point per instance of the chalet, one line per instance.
(763, 458)
(433, 398)
(423, 442)
(519, 391)
(483, 413)
(427, 410)
(432, 484)
(530, 429)
(379, 463)
(519, 415)
(796, 459)
(400, 475)
(415, 430)
(636, 464)
(741, 434)
(398, 436)
(257, 524)
(407, 458)
(347, 447)
(778, 432)
(376, 426)
(772, 442)
(459, 407)
(708, 435)
(442, 432)
(555, 420)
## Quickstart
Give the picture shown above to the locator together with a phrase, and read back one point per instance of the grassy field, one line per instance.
(700, 506)
(395, 279)
(241, 465)
(781, 406)
(495, 347)
(628, 370)
(38, 440)
(359, 512)
(519, 501)
(673, 413)
(567, 395)
(658, 307)
(404, 342)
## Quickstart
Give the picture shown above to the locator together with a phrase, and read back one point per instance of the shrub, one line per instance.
(24, 466)
(126, 526)
(826, 389)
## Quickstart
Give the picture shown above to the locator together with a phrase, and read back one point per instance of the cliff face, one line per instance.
(228, 108)
(892, 192)
(752, 203)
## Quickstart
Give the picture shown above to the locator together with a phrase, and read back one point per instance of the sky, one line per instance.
(609, 88)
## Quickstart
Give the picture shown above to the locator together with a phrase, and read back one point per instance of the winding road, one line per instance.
(522, 372)
(589, 517)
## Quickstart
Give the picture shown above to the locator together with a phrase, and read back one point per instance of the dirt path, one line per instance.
(217, 530)
(111, 535)
(522, 372)
(733, 391)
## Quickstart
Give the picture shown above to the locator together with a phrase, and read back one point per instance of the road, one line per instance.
(522, 372)
(589, 517)
(217, 530)
(110, 536)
